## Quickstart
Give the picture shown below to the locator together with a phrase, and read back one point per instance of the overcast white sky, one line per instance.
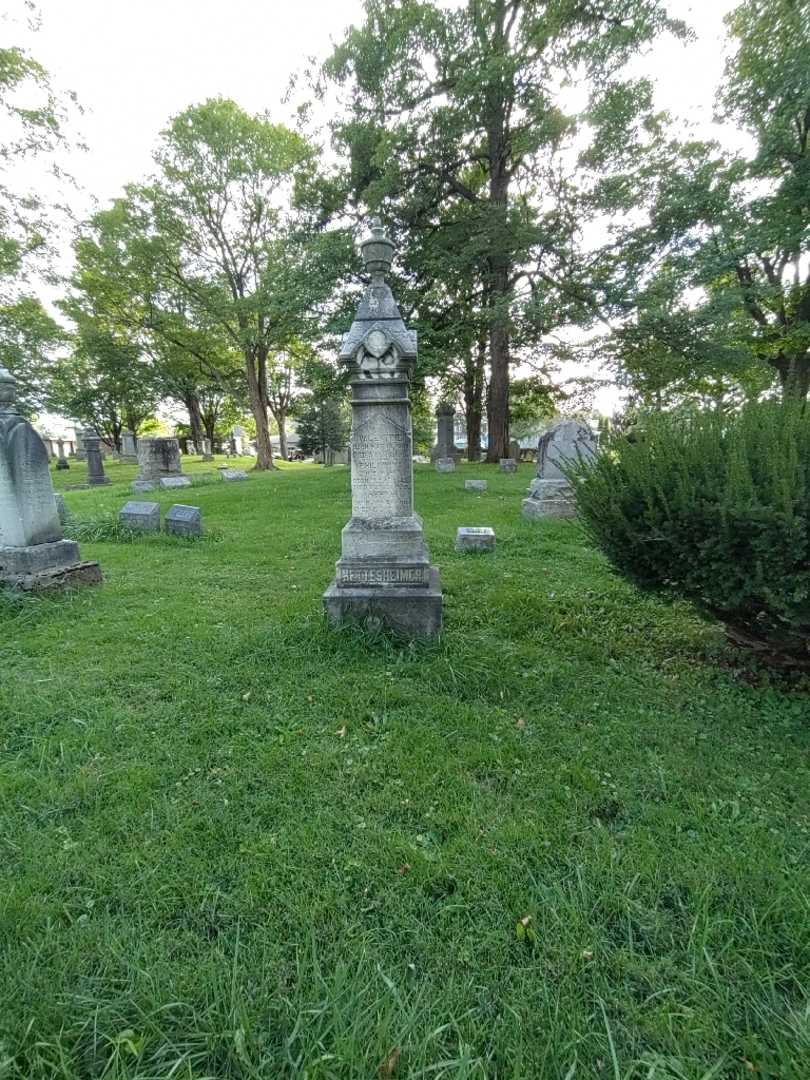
(135, 63)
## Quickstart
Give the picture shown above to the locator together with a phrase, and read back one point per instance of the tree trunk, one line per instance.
(264, 449)
(499, 96)
(474, 397)
(794, 376)
(281, 420)
(192, 404)
(498, 397)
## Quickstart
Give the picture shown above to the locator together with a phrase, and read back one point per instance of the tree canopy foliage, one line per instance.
(498, 139)
(725, 309)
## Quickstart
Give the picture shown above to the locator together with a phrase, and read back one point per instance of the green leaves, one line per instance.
(714, 508)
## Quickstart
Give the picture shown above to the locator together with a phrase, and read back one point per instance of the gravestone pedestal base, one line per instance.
(45, 566)
(549, 499)
(412, 612)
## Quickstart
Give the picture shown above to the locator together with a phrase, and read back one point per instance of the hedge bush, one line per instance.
(715, 508)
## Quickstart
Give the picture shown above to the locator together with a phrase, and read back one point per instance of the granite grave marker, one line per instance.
(384, 575)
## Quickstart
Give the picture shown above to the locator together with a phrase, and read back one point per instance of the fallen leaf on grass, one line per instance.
(524, 931)
(341, 732)
(246, 697)
(389, 1065)
(520, 724)
(404, 868)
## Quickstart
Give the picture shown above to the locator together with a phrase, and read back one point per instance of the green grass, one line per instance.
(237, 844)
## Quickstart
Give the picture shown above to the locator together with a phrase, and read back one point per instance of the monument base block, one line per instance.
(412, 612)
(46, 566)
(550, 499)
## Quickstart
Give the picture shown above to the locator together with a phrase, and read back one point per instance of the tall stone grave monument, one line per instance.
(550, 494)
(384, 573)
(158, 458)
(96, 477)
(81, 453)
(445, 433)
(33, 551)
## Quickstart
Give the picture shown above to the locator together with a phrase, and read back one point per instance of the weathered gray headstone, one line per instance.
(206, 450)
(233, 474)
(33, 551)
(80, 451)
(61, 461)
(475, 485)
(445, 433)
(129, 448)
(140, 487)
(96, 476)
(61, 509)
(141, 516)
(481, 538)
(445, 465)
(158, 458)
(384, 574)
(184, 521)
(550, 494)
(170, 482)
(508, 465)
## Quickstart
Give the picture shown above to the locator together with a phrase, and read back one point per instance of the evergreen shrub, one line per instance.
(715, 508)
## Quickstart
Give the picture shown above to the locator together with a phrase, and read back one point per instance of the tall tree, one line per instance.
(727, 306)
(323, 427)
(106, 383)
(462, 107)
(34, 119)
(121, 274)
(223, 206)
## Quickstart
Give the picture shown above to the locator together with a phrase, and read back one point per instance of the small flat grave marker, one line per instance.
(141, 516)
(475, 485)
(175, 482)
(508, 465)
(141, 486)
(445, 465)
(233, 474)
(479, 538)
(184, 521)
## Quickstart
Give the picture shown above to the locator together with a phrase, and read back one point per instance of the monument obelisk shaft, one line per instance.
(384, 574)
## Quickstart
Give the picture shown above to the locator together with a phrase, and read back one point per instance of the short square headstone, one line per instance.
(445, 465)
(141, 516)
(175, 482)
(184, 521)
(475, 539)
(508, 465)
(141, 486)
(233, 474)
(475, 485)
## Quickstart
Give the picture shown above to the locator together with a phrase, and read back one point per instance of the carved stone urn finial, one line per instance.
(377, 251)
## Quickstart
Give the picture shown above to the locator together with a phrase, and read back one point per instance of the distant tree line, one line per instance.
(221, 281)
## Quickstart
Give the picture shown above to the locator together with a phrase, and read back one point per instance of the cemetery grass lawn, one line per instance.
(568, 841)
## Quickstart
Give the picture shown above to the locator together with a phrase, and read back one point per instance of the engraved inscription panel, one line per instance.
(383, 575)
(381, 464)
